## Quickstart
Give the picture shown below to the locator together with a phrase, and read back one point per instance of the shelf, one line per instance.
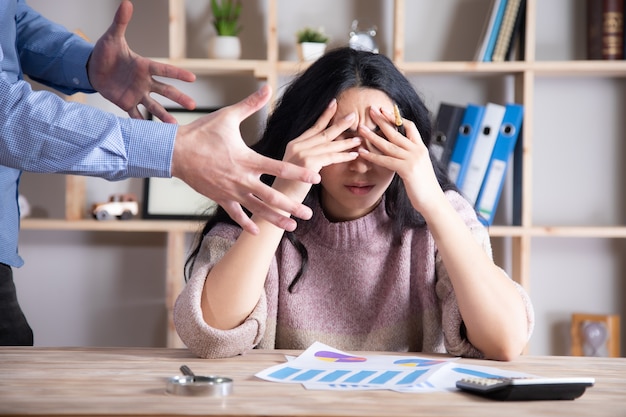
(581, 68)
(433, 68)
(257, 68)
(113, 225)
(164, 226)
(616, 232)
(262, 69)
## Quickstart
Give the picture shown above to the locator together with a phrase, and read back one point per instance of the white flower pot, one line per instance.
(310, 51)
(224, 47)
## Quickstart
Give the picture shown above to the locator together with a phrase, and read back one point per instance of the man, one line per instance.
(40, 132)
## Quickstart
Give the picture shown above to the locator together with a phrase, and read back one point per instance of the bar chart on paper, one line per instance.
(322, 367)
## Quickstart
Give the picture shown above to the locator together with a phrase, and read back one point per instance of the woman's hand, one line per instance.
(406, 155)
(490, 305)
(317, 148)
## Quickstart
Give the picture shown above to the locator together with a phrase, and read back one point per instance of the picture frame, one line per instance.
(171, 198)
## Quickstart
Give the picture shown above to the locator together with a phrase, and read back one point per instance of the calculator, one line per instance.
(526, 388)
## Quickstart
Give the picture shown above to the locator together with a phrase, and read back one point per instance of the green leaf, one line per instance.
(311, 35)
(226, 16)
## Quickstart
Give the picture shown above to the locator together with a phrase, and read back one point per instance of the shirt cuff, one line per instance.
(150, 147)
(76, 73)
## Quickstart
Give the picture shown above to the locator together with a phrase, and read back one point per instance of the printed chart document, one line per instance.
(322, 367)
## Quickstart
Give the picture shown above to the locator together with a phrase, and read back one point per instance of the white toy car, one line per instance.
(120, 206)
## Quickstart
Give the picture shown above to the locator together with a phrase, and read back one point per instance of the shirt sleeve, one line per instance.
(201, 339)
(50, 54)
(41, 132)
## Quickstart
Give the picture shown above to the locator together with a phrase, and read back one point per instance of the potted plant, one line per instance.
(311, 43)
(226, 45)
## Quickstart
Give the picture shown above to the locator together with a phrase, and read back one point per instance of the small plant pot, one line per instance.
(225, 47)
(310, 51)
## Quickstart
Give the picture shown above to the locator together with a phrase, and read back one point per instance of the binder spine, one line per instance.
(466, 137)
(445, 132)
(483, 149)
(504, 147)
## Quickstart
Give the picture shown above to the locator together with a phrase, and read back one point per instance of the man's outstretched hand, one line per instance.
(127, 79)
(209, 153)
(211, 156)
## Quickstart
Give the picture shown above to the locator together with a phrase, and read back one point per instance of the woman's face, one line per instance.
(352, 189)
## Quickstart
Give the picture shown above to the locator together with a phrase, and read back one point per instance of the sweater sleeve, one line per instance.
(202, 339)
(455, 338)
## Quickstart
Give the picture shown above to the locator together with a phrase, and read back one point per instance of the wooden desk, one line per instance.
(101, 381)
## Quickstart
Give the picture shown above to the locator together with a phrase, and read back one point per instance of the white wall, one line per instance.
(80, 288)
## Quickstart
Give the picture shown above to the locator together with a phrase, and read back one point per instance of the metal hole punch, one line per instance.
(196, 385)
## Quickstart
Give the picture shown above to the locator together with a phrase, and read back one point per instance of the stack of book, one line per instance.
(504, 26)
(475, 143)
(503, 31)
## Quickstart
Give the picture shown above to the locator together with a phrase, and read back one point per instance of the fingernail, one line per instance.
(351, 116)
(316, 178)
(385, 112)
(332, 102)
(305, 214)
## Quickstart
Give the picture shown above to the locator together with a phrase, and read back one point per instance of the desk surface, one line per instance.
(100, 381)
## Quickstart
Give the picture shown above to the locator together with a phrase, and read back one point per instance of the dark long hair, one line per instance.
(303, 102)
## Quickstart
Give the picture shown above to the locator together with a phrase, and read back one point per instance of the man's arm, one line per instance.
(49, 54)
(41, 132)
(67, 137)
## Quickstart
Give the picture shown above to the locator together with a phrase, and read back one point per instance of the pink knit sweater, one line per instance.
(360, 292)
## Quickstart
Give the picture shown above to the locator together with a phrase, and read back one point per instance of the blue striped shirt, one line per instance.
(40, 132)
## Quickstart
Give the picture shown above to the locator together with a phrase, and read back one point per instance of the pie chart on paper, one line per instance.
(328, 356)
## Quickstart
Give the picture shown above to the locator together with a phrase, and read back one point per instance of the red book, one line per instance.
(605, 29)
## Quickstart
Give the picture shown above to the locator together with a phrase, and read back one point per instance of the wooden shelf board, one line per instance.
(262, 68)
(580, 68)
(113, 225)
(257, 68)
(506, 231)
(194, 226)
(617, 232)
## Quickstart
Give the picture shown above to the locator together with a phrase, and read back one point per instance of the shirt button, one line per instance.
(76, 81)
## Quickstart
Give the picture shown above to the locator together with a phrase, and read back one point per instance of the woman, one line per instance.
(393, 259)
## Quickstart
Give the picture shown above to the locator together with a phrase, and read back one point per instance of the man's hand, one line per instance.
(211, 156)
(127, 79)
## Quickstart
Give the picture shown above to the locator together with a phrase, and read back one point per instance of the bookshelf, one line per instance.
(526, 79)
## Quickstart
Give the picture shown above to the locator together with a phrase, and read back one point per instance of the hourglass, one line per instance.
(595, 335)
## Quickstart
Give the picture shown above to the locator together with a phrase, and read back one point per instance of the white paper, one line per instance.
(322, 367)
